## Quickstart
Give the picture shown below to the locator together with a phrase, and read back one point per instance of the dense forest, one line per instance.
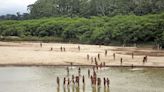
(88, 21)
(87, 8)
(94, 30)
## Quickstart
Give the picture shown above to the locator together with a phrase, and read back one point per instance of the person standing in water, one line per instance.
(68, 83)
(64, 81)
(67, 71)
(98, 84)
(83, 80)
(58, 81)
(77, 81)
(73, 82)
(99, 81)
(88, 73)
(104, 82)
(108, 82)
(79, 71)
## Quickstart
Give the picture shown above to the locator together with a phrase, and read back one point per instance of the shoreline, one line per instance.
(77, 65)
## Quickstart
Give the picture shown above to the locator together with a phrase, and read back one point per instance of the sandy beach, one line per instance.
(30, 53)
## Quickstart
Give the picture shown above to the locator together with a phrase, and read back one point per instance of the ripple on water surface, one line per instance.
(43, 79)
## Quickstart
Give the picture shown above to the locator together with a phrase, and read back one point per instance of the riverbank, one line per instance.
(50, 54)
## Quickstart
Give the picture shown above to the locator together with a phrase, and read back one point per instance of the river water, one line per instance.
(43, 79)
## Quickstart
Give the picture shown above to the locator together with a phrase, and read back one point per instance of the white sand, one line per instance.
(28, 53)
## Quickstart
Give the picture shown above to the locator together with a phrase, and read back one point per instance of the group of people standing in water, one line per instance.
(76, 80)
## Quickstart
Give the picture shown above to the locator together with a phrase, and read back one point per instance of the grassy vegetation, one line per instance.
(95, 30)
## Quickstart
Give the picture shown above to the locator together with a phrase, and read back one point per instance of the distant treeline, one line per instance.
(18, 16)
(121, 29)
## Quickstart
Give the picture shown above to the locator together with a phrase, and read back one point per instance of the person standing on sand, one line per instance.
(64, 49)
(104, 64)
(132, 55)
(91, 60)
(114, 56)
(87, 56)
(100, 65)
(106, 52)
(41, 44)
(121, 61)
(79, 48)
(98, 56)
(144, 59)
(95, 61)
(61, 48)
(51, 49)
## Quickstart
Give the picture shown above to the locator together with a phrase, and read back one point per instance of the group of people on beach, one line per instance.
(98, 57)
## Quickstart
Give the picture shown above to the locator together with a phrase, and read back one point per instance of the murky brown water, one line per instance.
(43, 79)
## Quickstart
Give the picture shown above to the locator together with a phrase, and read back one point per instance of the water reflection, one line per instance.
(108, 90)
(84, 88)
(58, 89)
(93, 88)
(68, 88)
(99, 89)
(64, 88)
(43, 79)
(77, 89)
